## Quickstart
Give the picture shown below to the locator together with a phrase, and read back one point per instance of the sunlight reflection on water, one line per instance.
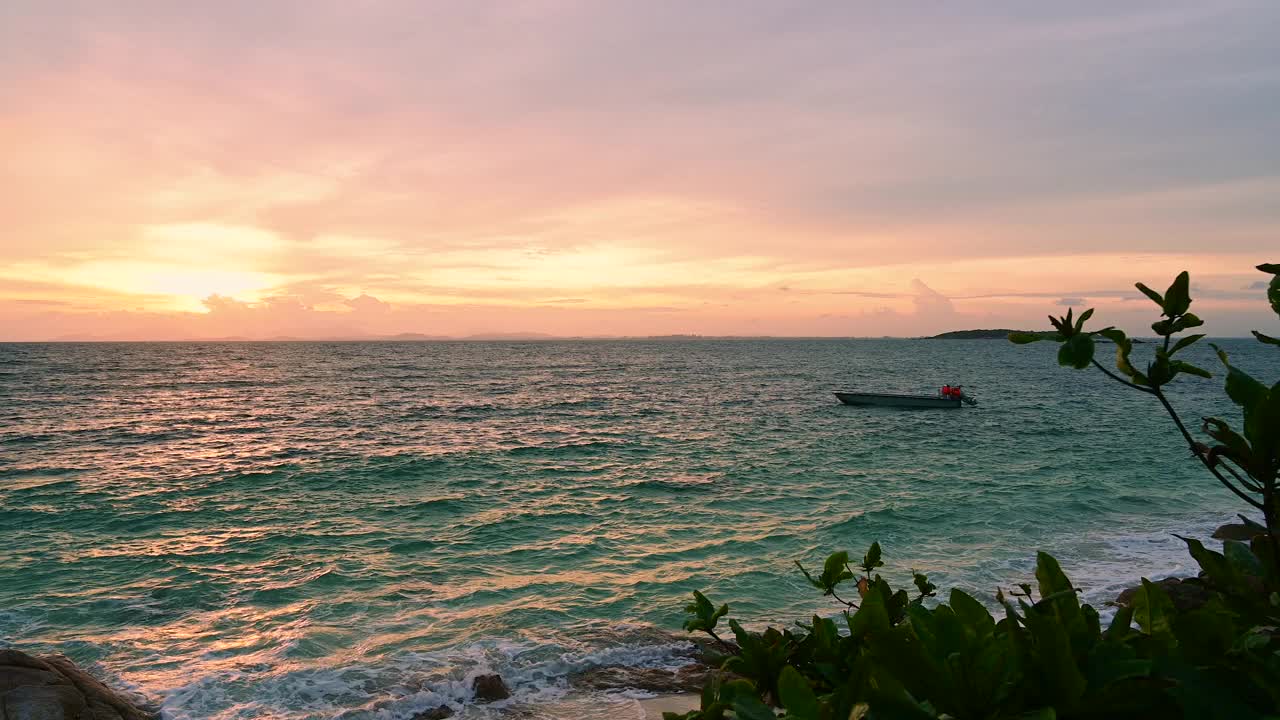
(299, 530)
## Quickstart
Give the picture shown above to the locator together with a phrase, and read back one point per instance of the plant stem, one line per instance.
(846, 602)
(1246, 484)
(1203, 460)
(1121, 380)
(723, 644)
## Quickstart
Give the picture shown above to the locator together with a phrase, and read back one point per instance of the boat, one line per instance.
(906, 401)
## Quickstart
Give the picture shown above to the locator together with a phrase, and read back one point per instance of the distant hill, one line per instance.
(511, 336)
(975, 335)
(412, 337)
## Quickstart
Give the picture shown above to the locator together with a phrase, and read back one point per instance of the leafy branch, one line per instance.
(1244, 462)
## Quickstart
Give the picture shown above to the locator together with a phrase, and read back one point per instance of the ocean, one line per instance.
(320, 530)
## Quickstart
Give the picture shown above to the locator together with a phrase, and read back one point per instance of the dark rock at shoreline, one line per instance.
(710, 652)
(1185, 594)
(688, 678)
(53, 688)
(490, 688)
(437, 713)
(696, 663)
(1244, 531)
(1236, 531)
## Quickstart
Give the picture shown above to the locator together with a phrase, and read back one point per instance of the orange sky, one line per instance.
(328, 169)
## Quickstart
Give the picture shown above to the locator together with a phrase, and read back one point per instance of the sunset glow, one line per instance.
(572, 168)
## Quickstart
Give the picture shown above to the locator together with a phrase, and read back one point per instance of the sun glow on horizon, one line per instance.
(195, 179)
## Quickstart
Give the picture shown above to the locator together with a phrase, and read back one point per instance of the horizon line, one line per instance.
(499, 339)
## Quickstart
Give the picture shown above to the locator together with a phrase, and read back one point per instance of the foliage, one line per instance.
(893, 656)
(1246, 461)
(887, 654)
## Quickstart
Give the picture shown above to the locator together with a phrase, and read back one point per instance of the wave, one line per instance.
(399, 687)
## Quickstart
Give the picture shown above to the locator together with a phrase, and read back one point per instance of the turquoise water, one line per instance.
(314, 530)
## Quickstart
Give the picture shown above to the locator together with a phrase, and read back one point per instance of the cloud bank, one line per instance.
(601, 167)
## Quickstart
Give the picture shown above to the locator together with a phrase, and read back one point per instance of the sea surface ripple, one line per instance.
(318, 530)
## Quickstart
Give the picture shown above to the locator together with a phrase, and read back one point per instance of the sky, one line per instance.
(364, 168)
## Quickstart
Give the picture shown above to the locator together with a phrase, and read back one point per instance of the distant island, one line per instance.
(975, 335)
(1001, 335)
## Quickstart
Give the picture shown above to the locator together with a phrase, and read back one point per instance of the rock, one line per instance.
(45, 702)
(687, 678)
(1186, 595)
(710, 652)
(1243, 532)
(489, 688)
(436, 713)
(53, 688)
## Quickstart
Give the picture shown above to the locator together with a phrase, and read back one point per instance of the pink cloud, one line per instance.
(381, 168)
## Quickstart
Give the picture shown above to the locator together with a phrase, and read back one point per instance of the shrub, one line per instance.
(1244, 461)
(889, 654)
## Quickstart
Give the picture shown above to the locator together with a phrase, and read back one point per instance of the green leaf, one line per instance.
(1050, 577)
(1237, 447)
(1155, 296)
(1060, 677)
(1026, 338)
(1178, 297)
(834, 571)
(1110, 663)
(704, 614)
(1179, 366)
(837, 566)
(871, 617)
(1214, 565)
(971, 612)
(1076, 352)
(711, 690)
(1222, 354)
(922, 584)
(1124, 346)
(749, 707)
(871, 560)
(1083, 317)
(1244, 390)
(1241, 387)
(1057, 325)
(1186, 322)
(1206, 632)
(1153, 611)
(1113, 334)
(1265, 338)
(1120, 628)
(796, 695)
(1184, 342)
(1160, 370)
(1241, 558)
(1273, 289)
